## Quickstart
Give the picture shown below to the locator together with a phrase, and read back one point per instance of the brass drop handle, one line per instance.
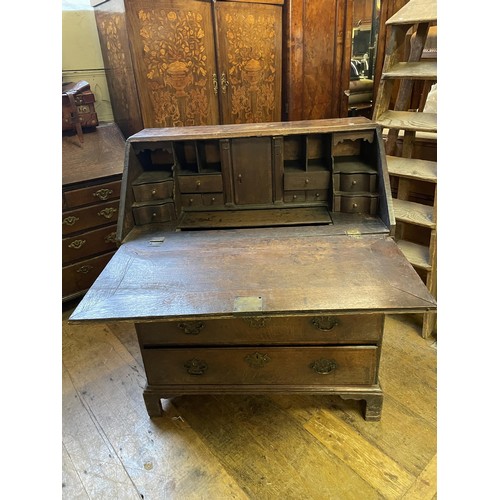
(354, 183)
(323, 366)
(191, 327)
(69, 221)
(85, 269)
(307, 181)
(215, 83)
(107, 212)
(325, 323)
(195, 366)
(198, 184)
(76, 244)
(224, 83)
(103, 194)
(354, 205)
(153, 192)
(240, 178)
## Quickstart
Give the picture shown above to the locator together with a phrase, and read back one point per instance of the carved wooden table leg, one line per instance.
(153, 403)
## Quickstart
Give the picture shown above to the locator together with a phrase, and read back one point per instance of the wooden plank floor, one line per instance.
(243, 447)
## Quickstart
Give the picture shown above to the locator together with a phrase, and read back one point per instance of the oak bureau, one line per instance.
(257, 258)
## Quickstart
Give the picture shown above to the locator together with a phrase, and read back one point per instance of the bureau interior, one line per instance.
(338, 172)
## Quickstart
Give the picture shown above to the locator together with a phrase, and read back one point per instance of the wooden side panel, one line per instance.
(317, 58)
(114, 39)
(249, 39)
(174, 56)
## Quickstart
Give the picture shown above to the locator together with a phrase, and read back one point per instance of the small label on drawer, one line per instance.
(247, 304)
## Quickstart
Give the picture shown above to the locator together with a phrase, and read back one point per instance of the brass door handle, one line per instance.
(224, 84)
(215, 83)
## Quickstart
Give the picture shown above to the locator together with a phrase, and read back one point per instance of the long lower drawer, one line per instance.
(260, 365)
(318, 329)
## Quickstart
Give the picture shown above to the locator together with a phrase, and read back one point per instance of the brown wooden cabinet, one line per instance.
(260, 292)
(191, 62)
(91, 178)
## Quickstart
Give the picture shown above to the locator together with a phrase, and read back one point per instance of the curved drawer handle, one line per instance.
(70, 221)
(85, 269)
(325, 323)
(195, 366)
(103, 194)
(323, 366)
(76, 244)
(107, 212)
(192, 327)
(110, 238)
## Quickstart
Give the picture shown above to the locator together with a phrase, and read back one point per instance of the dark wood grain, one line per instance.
(182, 278)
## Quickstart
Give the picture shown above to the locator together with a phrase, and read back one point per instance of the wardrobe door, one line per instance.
(249, 56)
(174, 57)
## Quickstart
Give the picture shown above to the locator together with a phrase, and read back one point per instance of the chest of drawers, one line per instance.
(265, 293)
(92, 174)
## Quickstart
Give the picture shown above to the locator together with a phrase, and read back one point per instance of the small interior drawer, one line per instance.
(153, 212)
(307, 180)
(210, 183)
(355, 183)
(356, 203)
(202, 200)
(160, 189)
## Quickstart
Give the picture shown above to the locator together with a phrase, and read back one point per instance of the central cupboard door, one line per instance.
(201, 62)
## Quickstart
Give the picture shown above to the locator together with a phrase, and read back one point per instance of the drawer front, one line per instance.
(200, 183)
(148, 214)
(355, 183)
(78, 278)
(324, 366)
(89, 243)
(202, 200)
(153, 191)
(89, 217)
(337, 329)
(294, 196)
(306, 180)
(356, 204)
(85, 196)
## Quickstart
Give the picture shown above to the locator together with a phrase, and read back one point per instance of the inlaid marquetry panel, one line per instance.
(113, 35)
(249, 62)
(175, 60)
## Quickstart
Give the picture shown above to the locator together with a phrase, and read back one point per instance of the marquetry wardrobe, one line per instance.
(191, 62)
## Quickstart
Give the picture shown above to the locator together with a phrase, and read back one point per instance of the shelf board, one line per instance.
(408, 120)
(419, 70)
(417, 255)
(415, 11)
(412, 168)
(413, 213)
